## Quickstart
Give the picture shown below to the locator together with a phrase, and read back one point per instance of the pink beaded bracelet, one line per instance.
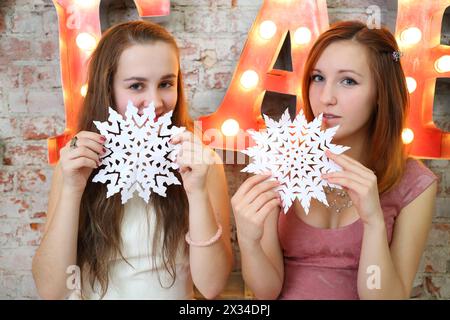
(204, 243)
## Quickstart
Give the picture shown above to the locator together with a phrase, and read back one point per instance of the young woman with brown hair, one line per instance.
(369, 245)
(135, 251)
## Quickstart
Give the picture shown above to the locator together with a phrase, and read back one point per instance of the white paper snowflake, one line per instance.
(139, 155)
(294, 152)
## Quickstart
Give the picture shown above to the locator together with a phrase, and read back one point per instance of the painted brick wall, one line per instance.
(211, 35)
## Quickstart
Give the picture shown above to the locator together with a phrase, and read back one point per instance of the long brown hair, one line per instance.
(99, 238)
(386, 154)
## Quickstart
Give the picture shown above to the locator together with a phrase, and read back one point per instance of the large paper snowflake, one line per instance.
(139, 155)
(294, 152)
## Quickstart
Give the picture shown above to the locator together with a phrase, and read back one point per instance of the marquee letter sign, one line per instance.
(418, 33)
(79, 31)
(303, 21)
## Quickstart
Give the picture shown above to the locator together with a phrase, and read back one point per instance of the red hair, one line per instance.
(386, 154)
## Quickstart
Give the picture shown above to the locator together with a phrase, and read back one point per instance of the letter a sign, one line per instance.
(298, 22)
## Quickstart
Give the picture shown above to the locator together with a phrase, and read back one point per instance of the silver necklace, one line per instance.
(338, 199)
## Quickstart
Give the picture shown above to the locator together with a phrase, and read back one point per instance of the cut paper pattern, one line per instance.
(139, 156)
(294, 153)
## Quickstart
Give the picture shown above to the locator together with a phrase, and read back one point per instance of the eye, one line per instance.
(136, 86)
(166, 84)
(349, 82)
(316, 78)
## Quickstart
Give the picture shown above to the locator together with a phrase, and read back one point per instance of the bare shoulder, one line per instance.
(422, 206)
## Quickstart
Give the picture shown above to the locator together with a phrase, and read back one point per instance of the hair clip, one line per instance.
(396, 55)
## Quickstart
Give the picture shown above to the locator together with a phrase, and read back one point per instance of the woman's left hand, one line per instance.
(361, 185)
(194, 159)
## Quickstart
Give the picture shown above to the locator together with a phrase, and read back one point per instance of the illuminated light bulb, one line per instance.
(302, 35)
(83, 90)
(86, 41)
(249, 79)
(411, 83)
(411, 36)
(442, 64)
(407, 136)
(230, 127)
(267, 29)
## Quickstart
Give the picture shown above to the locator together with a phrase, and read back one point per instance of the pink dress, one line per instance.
(323, 263)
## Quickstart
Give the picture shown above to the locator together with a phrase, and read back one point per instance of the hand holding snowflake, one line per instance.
(139, 154)
(294, 152)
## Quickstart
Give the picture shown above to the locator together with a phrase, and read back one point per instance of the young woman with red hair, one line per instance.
(368, 246)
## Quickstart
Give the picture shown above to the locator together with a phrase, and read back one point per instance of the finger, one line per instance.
(83, 152)
(93, 145)
(91, 135)
(356, 163)
(261, 188)
(187, 146)
(200, 155)
(82, 162)
(348, 163)
(184, 169)
(347, 174)
(250, 183)
(347, 183)
(347, 159)
(191, 159)
(183, 136)
(184, 161)
(196, 146)
(262, 199)
(262, 214)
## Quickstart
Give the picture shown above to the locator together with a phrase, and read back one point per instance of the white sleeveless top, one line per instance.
(140, 280)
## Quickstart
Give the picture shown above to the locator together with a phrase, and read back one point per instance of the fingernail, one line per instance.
(104, 150)
(103, 138)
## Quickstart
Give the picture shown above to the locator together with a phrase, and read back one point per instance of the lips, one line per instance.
(330, 116)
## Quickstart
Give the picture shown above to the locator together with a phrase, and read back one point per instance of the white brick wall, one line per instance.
(211, 35)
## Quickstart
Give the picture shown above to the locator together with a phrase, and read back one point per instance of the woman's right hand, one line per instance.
(78, 162)
(255, 199)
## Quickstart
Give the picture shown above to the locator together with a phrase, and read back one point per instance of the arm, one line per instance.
(262, 264)
(398, 265)
(210, 266)
(58, 248)
(206, 189)
(256, 208)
